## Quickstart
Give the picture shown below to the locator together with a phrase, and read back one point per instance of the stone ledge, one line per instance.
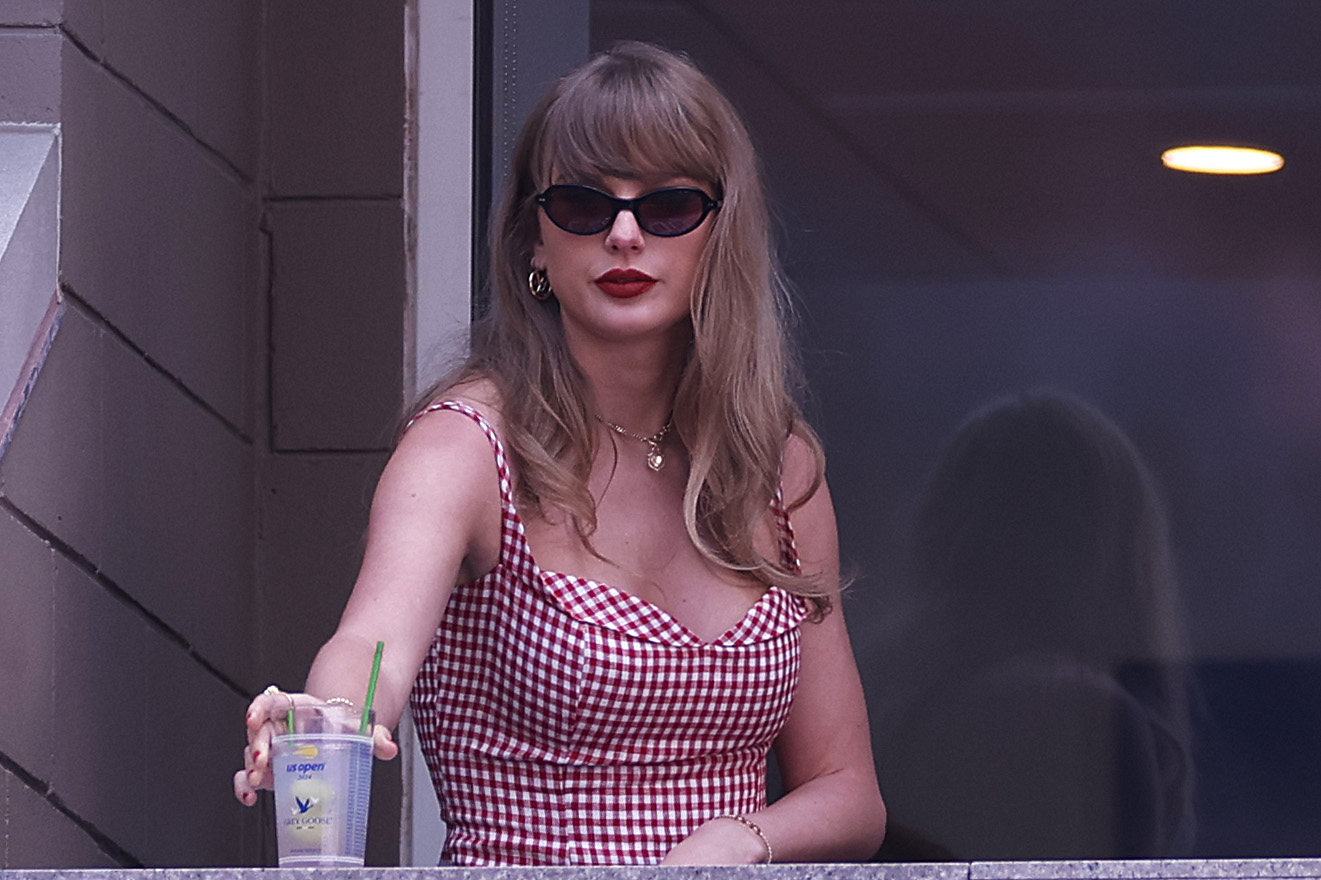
(1182, 869)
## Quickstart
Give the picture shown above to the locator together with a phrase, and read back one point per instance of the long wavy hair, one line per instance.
(631, 111)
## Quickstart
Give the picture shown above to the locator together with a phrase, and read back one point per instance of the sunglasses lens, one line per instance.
(670, 212)
(586, 211)
(578, 209)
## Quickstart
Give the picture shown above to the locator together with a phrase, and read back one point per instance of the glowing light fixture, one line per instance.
(1222, 160)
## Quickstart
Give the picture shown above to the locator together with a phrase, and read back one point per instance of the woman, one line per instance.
(625, 417)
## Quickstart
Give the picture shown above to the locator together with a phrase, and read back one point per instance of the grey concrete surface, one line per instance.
(26, 652)
(337, 323)
(29, 13)
(1238, 869)
(335, 99)
(132, 486)
(159, 237)
(315, 515)
(29, 67)
(106, 457)
(200, 60)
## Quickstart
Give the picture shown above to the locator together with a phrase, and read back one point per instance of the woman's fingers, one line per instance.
(256, 763)
(263, 712)
(271, 705)
(259, 711)
(257, 756)
(263, 720)
(242, 790)
(384, 746)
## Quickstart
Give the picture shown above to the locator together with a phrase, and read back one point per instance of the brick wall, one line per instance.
(182, 501)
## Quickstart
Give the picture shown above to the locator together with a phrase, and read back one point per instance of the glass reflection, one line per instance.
(1045, 712)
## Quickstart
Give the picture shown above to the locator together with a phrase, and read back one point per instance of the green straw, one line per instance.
(371, 689)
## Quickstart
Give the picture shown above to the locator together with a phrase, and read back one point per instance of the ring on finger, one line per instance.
(271, 690)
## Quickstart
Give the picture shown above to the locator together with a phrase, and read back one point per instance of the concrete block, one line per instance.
(115, 460)
(30, 80)
(53, 467)
(179, 499)
(37, 835)
(85, 19)
(101, 713)
(28, 13)
(335, 98)
(201, 60)
(159, 238)
(314, 515)
(27, 575)
(197, 731)
(337, 324)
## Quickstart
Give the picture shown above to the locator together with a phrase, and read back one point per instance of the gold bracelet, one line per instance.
(755, 829)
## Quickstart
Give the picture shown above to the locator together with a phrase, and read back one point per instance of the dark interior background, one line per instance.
(972, 205)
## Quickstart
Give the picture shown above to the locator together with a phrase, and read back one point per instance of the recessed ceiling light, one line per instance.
(1222, 160)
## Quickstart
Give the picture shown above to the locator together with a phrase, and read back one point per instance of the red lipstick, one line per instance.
(625, 283)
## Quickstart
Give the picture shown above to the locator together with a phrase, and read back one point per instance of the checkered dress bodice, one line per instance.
(567, 722)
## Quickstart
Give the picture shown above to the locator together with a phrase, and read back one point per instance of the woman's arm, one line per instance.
(832, 810)
(435, 521)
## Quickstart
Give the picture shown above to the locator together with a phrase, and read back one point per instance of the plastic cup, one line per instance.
(323, 781)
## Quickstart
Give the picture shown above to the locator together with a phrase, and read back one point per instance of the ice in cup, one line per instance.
(323, 778)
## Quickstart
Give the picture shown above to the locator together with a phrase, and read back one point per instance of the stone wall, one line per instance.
(182, 499)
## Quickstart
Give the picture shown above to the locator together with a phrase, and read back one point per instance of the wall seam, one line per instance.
(91, 570)
(160, 108)
(89, 311)
(268, 239)
(43, 790)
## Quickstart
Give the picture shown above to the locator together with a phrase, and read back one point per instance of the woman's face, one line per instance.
(622, 283)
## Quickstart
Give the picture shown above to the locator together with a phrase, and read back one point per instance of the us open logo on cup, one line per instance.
(312, 798)
(322, 794)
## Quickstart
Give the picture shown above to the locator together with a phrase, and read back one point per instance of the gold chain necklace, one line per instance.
(655, 455)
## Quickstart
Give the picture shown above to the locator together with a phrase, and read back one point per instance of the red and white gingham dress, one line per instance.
(566, 722)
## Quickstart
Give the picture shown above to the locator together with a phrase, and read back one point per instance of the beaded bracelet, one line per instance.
(755, 829)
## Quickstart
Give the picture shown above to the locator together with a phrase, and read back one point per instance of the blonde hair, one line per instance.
(631, 111)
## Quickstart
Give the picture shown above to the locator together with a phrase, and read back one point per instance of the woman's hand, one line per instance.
(442, 472)
(266, 719)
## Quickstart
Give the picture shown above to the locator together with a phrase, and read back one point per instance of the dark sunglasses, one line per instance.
(585, 210)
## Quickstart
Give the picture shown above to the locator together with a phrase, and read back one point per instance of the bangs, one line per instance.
(629, 123)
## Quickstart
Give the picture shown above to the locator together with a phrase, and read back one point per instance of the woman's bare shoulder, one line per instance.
(802, 472)
(442, 467)
(480, 393)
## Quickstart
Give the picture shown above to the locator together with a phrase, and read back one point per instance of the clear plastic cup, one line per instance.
(323, 781)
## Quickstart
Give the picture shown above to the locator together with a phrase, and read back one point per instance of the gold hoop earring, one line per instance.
(539, 284)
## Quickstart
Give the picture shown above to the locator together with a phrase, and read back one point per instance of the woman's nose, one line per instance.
(625, 234)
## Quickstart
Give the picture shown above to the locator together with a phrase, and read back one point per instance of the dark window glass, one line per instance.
(1071, 400)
